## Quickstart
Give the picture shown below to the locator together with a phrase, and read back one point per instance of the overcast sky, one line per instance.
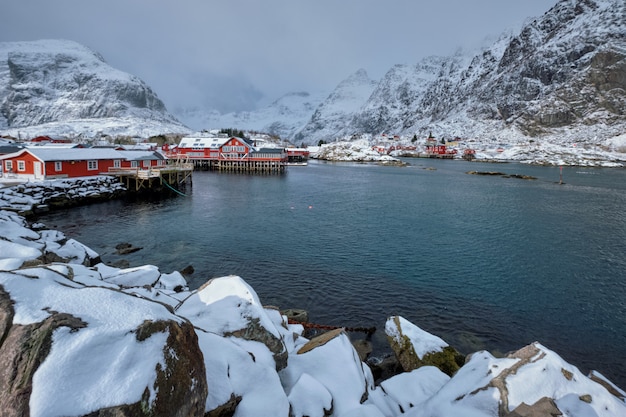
(237, 54)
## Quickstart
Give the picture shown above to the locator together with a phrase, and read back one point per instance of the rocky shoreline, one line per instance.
(31, 198)
(76, 330)
(361, 149)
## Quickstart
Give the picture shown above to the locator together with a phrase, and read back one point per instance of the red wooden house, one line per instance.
(229, 153)
(297, 155)
(41, 163)
(48, 139)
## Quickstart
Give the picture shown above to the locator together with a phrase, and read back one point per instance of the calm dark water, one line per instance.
(485, 262)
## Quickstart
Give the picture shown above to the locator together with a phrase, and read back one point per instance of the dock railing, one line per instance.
(151, 172)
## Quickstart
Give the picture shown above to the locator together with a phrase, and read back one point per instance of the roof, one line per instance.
(5, 149)
(141, 155)
(74, 154)
(271, 150)
(56, 145)
(45, 154)
(201, 142)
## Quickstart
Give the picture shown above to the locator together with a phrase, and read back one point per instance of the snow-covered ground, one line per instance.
(610, 153)
(253, 358)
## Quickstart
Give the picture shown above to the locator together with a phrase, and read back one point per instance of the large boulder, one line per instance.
(415, 347)
(244, 346)
(71, 349)
(533, 381)
(326, 377)
(228, 306)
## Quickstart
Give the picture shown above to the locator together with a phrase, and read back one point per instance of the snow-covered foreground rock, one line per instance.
(78, 338)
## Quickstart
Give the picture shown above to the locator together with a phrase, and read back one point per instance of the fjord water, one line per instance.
(484, 262)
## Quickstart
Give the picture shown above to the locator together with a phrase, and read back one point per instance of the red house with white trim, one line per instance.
(228, 153)
(40, 163)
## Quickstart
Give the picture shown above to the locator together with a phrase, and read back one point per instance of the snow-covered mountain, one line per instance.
(61, 87)
(333, 116)
(560, 79)
(284, 117)
(563, 78)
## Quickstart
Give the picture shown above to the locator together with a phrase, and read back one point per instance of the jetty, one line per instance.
(175, 175)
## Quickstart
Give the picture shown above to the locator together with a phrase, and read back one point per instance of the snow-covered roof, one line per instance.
(202, 142)
(271, 150)
(50, 154)
(82, 154)
(141, 155)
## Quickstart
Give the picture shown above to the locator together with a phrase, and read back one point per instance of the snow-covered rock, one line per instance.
(611, 153)
(37, 196)
(416, 348)
(359, 150)
(531, 377)
(74, 349)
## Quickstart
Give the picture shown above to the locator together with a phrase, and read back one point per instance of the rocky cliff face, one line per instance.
(562, 77)
(567, 68)
(52, 81)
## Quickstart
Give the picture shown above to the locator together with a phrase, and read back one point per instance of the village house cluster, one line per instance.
(44, 158)
(227, 153)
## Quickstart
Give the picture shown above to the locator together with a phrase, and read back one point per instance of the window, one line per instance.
(117, 163)
(146, 163)
(92, 165)
(134, 164)
(58, 166)
(8, 166)
(21, 165)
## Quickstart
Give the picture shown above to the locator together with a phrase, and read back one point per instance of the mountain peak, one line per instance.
(49, 82)
(560, 78)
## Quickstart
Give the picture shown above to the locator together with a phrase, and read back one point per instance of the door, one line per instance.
(37, 170)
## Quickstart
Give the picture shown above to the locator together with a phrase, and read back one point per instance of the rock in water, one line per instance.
(415, 347)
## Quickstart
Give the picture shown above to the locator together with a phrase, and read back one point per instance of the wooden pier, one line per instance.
(175, 176)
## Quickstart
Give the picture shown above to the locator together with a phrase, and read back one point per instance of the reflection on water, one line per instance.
(483, 261)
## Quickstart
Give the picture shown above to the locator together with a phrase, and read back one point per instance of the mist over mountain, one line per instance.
(61, 87)
(332, 115)
(284, 117)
